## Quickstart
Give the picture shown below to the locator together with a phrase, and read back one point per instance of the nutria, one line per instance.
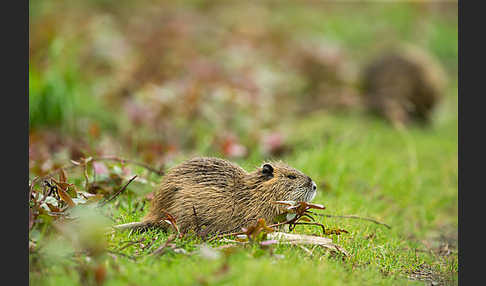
(211, 195)
(404, 85)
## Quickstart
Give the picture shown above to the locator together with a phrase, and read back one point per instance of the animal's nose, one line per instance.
(314, 186)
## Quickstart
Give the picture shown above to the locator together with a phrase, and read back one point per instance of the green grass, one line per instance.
(407, 180)
(363, 166)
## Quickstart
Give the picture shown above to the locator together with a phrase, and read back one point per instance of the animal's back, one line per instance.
(198, 191)
(207, 172)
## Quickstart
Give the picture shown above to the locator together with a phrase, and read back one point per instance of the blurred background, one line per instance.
(160, 80)
(360, 96)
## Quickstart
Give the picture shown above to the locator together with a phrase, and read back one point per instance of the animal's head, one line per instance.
(285, 183)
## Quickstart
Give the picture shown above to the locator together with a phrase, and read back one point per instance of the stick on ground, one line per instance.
(355, 217)
(119, 192)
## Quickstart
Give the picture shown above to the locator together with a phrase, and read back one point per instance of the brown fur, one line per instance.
(211, 195)
(404, 85)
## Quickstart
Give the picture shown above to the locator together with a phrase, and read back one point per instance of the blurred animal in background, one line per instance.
(403, 85)
(330, 75)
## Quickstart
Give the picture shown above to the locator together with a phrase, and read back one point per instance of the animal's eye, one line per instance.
(291, 177)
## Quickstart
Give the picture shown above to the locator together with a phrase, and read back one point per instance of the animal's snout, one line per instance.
(312, 193)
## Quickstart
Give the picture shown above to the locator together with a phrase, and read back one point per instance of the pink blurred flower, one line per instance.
(100, 168)
(231, 147)
(126, 171)
(268, 242)
(273, 143)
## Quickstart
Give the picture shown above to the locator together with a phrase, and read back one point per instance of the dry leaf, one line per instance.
(100, 274)
(253, 231)
(62, 176)
(297, 239)
(65, 197)
(171, 220)
(53, 208)
(62, 185)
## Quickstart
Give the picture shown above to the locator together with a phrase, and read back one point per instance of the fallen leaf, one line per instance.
(297, 239)
(257, 232)
(62, 185)
(171, 220)
(53, 208)
(100, 274)
(65, 197)
(62, 176)
(94, 130)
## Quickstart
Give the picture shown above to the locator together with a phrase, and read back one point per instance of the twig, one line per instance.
(130, 243)
(309, 223)
(85, 173)
(355, 217)
(161, 250)
(305, 249)
(291, 221)
(159, 172)
(44, 195)
(31, 187)
(75, 164)
(119, 192)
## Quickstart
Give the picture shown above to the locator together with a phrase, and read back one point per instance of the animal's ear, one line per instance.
(267, 169)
